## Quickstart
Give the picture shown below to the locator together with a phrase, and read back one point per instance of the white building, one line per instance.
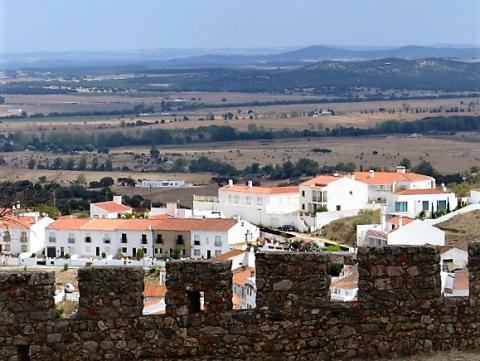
(265, 206)
(111, 209)
(167, 183)
(475, 196)
(332, 193)
(345, 287)
(86, 237)
(400, 231)
(455, 284)
(453, 259)
(412, 202)
(22, 234)
(380, 184)
(244, 288)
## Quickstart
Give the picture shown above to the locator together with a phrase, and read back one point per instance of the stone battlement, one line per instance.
(400, 311)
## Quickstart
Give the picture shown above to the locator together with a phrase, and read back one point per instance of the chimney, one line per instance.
(401, 169)
(335, 174)
(172, 209)
(117, 199)
(371, 173)
(230, 182)
(444, 188)
(250, 184)
(353, 176)
(400, 221)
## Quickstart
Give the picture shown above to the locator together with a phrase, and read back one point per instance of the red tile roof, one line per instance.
(154, 291)
(410, 192)
(256, 189)
(241, 274)
(349, 282)
(321, 181)
(396, 220)
(166, 224)
(230, 254)
(112, 207)
(389, 177)
(461, 280)
(11, 221)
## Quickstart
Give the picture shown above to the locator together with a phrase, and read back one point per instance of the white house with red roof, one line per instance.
(380, 184)
(111, 209)
(244, 288)
(21, 234)
(332, 193)
(345, 287)
(266, 206)
(412, 202)
(399, 230)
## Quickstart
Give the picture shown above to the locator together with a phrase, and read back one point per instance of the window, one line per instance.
(351, 193)
(106, 238)
(218, 253)
(180, 239)
(249, 200)
(303, 193)
(124, 250)
(159, 239)
(88, 239)
(196, 240)
(259, 201)
(144, 239)
(71, 238)
(23, 236)
(196, 252)
(425, 205)
(124, 238)
(442, 205)
(194, 301)
(218, 241)
(236, 199)
(51, 237)
(401, 207)
(303, 206)
(6, 247)
(339, 207)
(158, 251)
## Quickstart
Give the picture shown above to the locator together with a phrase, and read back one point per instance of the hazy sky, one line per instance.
(59, 25)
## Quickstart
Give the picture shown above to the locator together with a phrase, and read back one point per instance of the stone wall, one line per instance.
(399, 312)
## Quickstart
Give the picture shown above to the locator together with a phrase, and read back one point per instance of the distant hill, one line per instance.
(226, 58)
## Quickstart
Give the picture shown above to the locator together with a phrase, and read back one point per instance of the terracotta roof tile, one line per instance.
(396, 220)
(349, 282)
(257, 189)
(410, 192)
(461, 280)
(389, 177)
(154, 291)
(227, 255)
(15, 222)
(112, 207)
(321, 181)
(241, 274)
(68, 223)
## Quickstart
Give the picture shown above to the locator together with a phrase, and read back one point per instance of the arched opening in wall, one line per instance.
(343, 272)
(454, 273)
(195, 301)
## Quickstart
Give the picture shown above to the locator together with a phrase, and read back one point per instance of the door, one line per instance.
(51, 252)
(62, 252)
(134, 252)
(209, 254)
(97, 251)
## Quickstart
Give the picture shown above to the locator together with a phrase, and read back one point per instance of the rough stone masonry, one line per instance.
(400, 311)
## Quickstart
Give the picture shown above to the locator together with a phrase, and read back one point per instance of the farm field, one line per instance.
(349, 114)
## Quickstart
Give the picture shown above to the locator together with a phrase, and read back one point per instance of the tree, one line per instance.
(82, 180)
(107, 182)
(406, 163)
(177, 252)
(51, 211)
(140, 254)
(108, 165)
(82, 164)
(70, 164)
(95, 163)
(31, 163)
(154, 153)
(58, 163)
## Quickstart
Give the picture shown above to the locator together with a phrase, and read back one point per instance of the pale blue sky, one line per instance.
(66, 25)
